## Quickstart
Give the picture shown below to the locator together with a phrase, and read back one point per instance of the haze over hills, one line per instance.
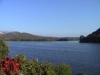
(18, 36)
(94, 37)
(1, 32)
(4, 32)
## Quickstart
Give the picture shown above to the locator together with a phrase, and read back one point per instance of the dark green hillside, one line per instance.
(94, 37)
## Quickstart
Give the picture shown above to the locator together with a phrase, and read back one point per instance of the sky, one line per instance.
(61, 18)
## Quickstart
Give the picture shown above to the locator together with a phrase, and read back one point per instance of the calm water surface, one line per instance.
(82, 57)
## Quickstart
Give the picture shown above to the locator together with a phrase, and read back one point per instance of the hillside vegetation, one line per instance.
(94, 37)
(17, 36)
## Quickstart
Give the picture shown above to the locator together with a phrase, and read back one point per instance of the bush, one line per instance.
(4, 50)
(63, 69)
(33, 67)
(49, 69)
(9, 66)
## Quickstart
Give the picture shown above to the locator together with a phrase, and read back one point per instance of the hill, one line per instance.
(94, 37)
(18, 36)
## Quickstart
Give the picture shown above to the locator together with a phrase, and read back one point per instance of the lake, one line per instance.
(82, 57)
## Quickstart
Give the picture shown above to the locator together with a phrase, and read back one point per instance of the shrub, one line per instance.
(23, 63)
(33, 67)
(4, 50)
(49, 69)
(9, 66)
(63, 69)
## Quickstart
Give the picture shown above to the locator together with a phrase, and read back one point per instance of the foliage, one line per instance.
(81, 37)
(9, 66)
(94, 37)
(33, 67)
(4, 50)
(63, 69)
(23, 63)
(49, 69)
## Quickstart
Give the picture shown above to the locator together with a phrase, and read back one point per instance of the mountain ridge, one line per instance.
(23, 36)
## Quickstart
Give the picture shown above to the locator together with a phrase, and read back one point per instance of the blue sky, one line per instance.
(50, 17)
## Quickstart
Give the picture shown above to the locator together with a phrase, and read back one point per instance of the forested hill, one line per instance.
(17, 36)
(94, 37)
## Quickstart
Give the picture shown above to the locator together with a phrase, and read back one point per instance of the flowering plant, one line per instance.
(10, 66)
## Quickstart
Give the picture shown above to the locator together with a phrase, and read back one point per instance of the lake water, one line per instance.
(82, 57)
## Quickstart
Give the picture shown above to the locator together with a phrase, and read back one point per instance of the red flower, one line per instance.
(9, 65)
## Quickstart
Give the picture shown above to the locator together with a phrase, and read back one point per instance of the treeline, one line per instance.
(91, 38)
(17, 36)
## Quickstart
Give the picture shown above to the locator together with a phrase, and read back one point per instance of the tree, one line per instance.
(4, 50)
(81, 37)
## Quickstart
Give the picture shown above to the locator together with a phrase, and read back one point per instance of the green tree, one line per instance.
(4, 50)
